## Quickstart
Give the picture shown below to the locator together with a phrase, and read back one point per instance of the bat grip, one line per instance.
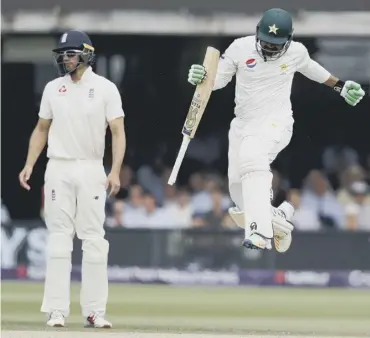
(179, 159)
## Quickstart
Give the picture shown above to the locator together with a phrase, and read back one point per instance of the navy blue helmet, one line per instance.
(73, 43)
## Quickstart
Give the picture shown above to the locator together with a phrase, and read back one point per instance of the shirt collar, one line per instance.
(86, 76)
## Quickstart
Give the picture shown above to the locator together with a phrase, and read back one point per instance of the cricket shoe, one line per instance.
(282, 226)
(55, 319)
(257, 241)
(97, 321)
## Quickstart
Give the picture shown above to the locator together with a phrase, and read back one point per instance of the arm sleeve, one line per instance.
(45, 111)
(311, 69)
(227, 67)
(113, 108)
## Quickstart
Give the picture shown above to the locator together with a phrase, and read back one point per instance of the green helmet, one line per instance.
(274, 34)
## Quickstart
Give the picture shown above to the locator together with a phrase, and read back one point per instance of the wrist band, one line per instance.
(338, 86)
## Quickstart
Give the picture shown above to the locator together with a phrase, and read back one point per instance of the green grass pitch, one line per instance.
(216, 310)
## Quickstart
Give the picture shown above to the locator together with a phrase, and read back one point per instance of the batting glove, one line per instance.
(197, 73)
(352, 92)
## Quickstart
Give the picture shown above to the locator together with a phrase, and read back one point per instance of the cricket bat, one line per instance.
(197, 106)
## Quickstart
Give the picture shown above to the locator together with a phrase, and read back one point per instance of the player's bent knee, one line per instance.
(95, 250)
(253, 162)
(253, 156)
(60, 245)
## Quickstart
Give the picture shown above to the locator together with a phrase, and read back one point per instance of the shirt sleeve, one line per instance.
(113, 108)
(45, 111)
(311, 69)
(227, 67)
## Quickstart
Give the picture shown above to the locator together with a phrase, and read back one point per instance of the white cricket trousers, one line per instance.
(252, 148)
(75, 198)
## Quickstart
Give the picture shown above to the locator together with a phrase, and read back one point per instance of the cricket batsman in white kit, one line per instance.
(264, 65)
(75, 111)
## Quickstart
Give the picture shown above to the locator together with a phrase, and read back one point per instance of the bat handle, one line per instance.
(179, 159)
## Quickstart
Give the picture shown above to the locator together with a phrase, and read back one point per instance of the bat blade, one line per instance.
(202, 93)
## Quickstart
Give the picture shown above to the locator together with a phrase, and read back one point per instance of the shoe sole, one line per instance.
(100, 327)
(56, 325)
(249, 245)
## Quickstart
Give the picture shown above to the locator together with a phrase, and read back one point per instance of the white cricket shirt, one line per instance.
(263, 89)
(80, 112)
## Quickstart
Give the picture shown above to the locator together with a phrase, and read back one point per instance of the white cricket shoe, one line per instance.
(55, 319)
(282, 217)
(97, 321)
(257, 241)
(281, 224)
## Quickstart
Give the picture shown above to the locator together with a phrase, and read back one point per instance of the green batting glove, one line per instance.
(197, 73)
(352, 92)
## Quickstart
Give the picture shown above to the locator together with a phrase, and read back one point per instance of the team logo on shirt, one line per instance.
(62, 89)
(53, 195)
(284, 67)
(251, 63)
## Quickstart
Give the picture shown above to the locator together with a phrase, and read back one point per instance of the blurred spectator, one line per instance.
(151, 216)
(5, 217)
(200, 199)
(126, 176)
(215, 217)
(135, 198)
(150, 178)
(279, 193)
(116, 220)
(336, 159)
(318, 196)
(170, 196)
(181, 211)
(304, 219)
(215, 182)
(166, 175)
(202, 188)
(358, 211)
(348, 177)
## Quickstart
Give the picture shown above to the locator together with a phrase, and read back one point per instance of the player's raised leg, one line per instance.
(281, 226)
(257, 151)
(60, 203)
(254, 170)
(90, 218)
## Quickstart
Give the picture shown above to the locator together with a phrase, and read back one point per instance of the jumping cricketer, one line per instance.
(264, 65)
(75, 110)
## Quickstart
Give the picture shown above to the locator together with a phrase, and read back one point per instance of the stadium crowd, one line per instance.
(145, 200)
(334, 197)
